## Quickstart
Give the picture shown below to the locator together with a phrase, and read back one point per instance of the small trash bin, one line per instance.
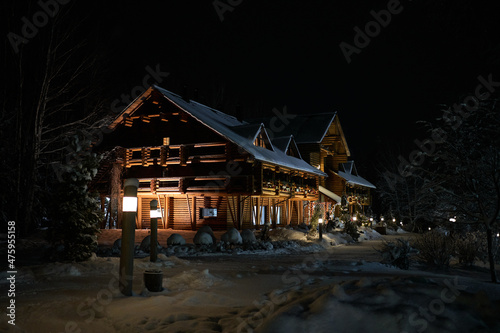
(153, 280)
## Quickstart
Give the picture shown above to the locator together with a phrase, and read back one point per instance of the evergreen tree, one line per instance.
(76, 215)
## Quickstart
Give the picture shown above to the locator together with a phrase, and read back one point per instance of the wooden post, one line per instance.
(301, 211)
(189, 211)
(257, 220)
(238, 211)
(194, 217)
(230, 203)
(139, 213)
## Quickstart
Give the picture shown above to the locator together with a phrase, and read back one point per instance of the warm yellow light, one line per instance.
(354, 218)
(130, 204)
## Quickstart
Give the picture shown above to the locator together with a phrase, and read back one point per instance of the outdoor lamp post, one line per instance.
(320, 226)
(128, 235)
(154, 214)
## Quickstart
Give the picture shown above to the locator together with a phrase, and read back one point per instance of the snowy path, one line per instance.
(343, 289)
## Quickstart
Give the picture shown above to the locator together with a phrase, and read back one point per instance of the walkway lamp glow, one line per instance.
(154, 214)
(128, 235)
(320, 227)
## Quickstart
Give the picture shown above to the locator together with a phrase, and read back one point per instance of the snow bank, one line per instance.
(280, 234)
(371, 305)
(368, 234)
(192, 279)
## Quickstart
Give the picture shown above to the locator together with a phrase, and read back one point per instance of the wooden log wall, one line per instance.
(183, 212)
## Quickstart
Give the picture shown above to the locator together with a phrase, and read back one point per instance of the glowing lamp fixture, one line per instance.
(453, 219)
(429, 228)
(130, 204)
(320, 221)
(393, 220)
(155, 213)
(371, 219)
(382, 219)
(354, 218)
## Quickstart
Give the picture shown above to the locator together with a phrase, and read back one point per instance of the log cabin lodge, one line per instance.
(208, 168)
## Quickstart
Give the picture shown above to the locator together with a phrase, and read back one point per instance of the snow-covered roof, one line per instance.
(306, 128)
(283, 143)
(349, 172)
(239, 132)
(329, 194)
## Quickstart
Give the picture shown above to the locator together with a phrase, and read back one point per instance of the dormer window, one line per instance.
(262, 140)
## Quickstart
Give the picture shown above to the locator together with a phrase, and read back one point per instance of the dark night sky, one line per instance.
(274, 53)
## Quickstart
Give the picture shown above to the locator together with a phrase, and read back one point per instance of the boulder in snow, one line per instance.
(146, 244)
(209, 231)
(232, 236)
(175, 239)
(247, 236)
(117, 246)
(202, 238)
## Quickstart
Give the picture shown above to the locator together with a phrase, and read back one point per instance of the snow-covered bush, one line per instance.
(467, 248)
(352, 230)
(317, 213)
(397, 253)
(435, 248)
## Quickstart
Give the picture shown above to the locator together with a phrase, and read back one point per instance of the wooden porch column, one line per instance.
(257, 220)
(193, 213)
(301, 211)
(139, 213)
(275, 213)
(288, 209)
(238, 211)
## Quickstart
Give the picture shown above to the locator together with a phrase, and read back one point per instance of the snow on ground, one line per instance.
(332, 286)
